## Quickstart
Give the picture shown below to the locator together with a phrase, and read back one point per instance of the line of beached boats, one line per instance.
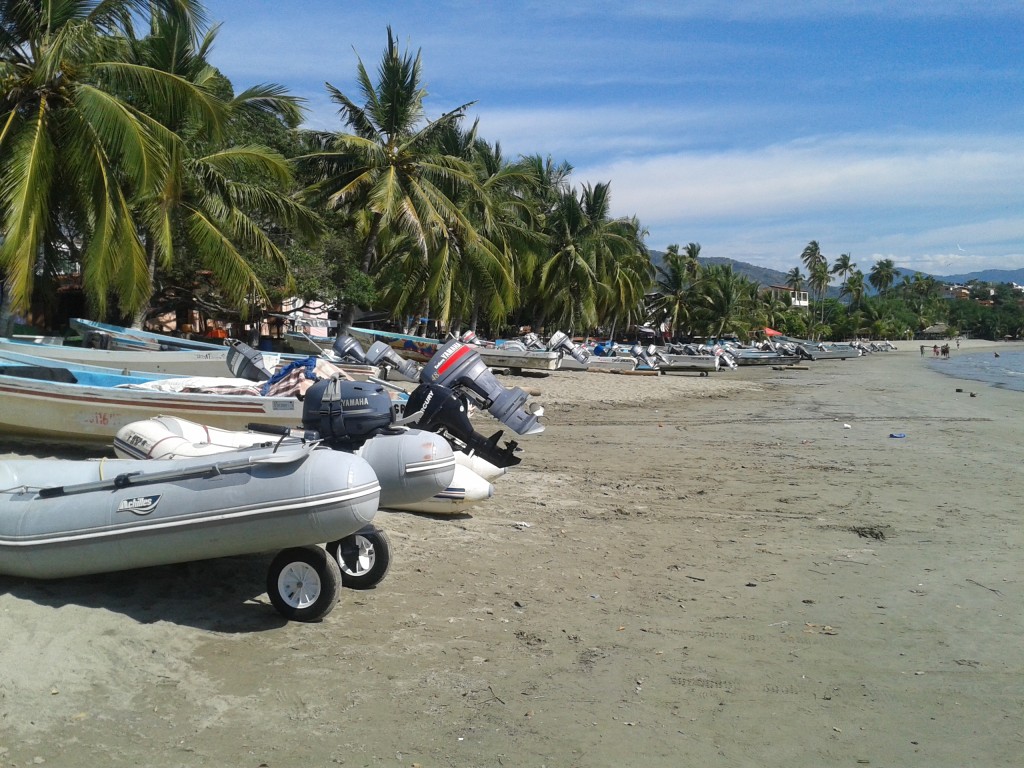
(291, 452)
(295, 455)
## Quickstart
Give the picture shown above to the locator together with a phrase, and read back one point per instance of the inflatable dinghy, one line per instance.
(117, 514)
(417, 470)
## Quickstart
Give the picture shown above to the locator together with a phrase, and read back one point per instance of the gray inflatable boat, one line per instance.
(116, 514)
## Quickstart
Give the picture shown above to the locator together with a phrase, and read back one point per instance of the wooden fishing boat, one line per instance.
(116, 514)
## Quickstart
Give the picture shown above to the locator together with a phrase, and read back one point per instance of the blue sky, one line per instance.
(880, 129)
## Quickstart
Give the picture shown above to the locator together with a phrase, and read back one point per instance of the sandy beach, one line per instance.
(746, 569)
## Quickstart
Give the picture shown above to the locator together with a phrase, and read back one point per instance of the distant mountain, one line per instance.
(765, 276)
(984, 276)
(760, 275)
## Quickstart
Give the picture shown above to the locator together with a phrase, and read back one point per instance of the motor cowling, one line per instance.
(347, 348)
(380, 353)
(560, 341)
(346, 413)
(456, 365)
(246, 362)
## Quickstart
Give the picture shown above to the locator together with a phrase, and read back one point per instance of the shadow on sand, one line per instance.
(225, 595)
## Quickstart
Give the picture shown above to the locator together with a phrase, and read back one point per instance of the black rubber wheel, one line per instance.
(303, 583)
(364, 558)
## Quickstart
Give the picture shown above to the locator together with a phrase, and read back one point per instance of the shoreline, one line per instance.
(713, 567)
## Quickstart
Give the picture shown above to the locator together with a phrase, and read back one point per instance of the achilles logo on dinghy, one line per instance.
(140, 505)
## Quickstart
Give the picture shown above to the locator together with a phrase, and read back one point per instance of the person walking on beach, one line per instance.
(935, 351)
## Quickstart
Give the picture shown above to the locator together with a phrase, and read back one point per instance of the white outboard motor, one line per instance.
(532, 341)
(458, 366)
(646, 356)
(724, 357)
(347, 348)
(470, 337)
(380, 353)
(560, 342)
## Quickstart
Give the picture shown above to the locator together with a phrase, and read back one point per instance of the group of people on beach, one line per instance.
(937, 350)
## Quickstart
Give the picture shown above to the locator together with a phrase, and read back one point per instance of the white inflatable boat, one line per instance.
(417, 470)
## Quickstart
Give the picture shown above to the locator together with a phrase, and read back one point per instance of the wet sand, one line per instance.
(682, 571)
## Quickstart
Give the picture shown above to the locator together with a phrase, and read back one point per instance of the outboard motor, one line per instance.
(560, 342)
(346, 413)
(442, 410)
(724, 357)
(456, 365)
(646, 356)
(246, 362)
(345, 347)
(380, 353)
(532, 341)
(469, 337)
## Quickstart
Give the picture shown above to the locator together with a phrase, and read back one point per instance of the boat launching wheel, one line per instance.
(303, 583)
(364, 557)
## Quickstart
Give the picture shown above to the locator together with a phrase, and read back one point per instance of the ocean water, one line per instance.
(1005, 371)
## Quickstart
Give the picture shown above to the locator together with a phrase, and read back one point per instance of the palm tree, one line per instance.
(855, 288)
(727, 299)
(795, 279)
(844, 267)
(819, 280)
(674, 282)
(390, 164)
(812, 256)
(883, 275)
(593, 267)
(74, 153)
(692, 254)
(218, 201)
(551, 181)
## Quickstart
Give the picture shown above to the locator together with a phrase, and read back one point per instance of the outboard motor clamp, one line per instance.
(346, 412)
(456, 365)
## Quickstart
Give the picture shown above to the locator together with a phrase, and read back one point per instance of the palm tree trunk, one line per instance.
(140, 314)
(347, 314)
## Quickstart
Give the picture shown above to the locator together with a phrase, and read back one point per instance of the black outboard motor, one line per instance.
(346, 413)
(456, 365)
(443, 411)
(380, 353)
(348, 348)
(560, 342)
(246, 362)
